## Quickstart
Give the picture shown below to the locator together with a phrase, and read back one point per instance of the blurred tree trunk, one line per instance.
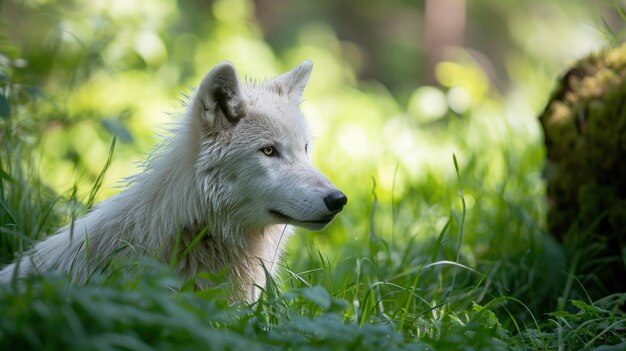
(445, 27)
(585, 135)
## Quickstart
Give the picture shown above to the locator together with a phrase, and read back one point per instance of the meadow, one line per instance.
(442, 246)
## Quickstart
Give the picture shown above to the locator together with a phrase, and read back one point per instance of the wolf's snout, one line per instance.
(335, 201)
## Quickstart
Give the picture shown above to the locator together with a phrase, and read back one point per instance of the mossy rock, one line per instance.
(585, 135)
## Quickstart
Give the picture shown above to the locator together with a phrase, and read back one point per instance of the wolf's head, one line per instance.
(254, 151)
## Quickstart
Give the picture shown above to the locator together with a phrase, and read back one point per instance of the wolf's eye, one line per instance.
(269, 151)
(306, 148)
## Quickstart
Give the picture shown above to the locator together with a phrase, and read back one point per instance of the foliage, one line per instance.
(159, 311)
(29, 209)
(155, 313)
(600, 323)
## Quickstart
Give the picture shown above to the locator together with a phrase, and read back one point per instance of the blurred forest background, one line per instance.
(397, 89)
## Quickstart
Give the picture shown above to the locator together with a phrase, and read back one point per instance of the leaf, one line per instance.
(586, 308)
(456, 167)
(562, 314)
(4, 175)
(5, 108)
(98, 183)
(487, 315)
(117, 129)
(442, 234)
(617, 347)
(318, 296)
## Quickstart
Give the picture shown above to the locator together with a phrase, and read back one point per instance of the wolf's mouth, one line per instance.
(283, 217)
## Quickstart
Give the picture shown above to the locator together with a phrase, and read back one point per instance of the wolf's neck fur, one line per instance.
(246, 264)
(166, 202)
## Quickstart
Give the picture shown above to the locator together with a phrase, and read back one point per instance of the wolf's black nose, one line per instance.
(335, 201)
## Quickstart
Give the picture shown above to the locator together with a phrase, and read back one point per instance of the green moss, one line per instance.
(585, 135)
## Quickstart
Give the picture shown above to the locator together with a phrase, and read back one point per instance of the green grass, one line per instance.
(385, 295)
(161, 311)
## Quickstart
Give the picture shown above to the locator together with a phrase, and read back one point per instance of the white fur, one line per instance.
(210, 174)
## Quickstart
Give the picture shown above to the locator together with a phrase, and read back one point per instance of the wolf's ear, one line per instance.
(293, 82)
(218, 101)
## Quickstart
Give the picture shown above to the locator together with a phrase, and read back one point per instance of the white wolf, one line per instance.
(236, 169)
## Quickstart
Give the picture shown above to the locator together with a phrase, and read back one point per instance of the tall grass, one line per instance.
(419, 303)
(29, 210)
